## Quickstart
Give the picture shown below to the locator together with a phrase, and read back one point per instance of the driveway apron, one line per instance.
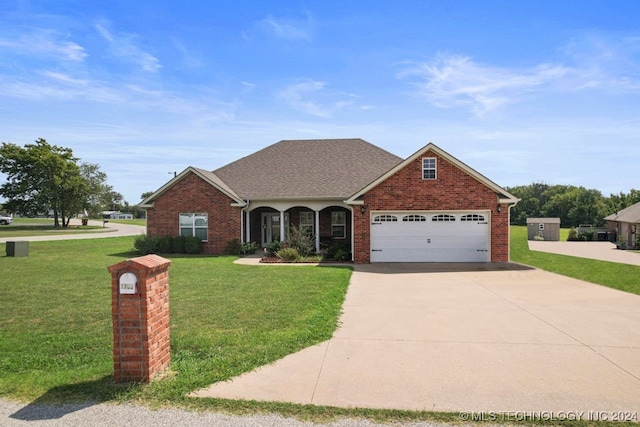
(465, 338)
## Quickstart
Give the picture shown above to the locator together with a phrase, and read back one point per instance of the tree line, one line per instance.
(573, 205)
(44, 178)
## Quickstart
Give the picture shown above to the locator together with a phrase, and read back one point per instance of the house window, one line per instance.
(339, 224)
(194, 224)
(429, 168)
(443, 217)
(306, 222)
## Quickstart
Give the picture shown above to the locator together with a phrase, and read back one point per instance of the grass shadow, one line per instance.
(127, 255)
(438, 267)
(62, 400)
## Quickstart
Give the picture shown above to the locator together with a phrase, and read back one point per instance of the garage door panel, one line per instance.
(445, 239)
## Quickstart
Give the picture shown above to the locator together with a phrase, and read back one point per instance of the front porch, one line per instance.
(328, 225)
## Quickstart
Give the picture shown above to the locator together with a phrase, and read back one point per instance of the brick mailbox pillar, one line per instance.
(140, 314)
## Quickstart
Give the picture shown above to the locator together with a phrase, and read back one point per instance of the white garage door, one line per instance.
(430, 237)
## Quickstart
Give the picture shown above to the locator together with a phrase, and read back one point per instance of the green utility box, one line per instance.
(18, 249)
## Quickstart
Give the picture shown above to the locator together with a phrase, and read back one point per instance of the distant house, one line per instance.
(430, 207)
(116, 215)
(543, 229)
(626, 224)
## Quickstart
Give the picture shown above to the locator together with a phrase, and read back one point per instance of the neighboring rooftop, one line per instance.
(629, 214)
(317, 168)
(545, 220)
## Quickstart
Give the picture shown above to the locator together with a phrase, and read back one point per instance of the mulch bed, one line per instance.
(275, 260)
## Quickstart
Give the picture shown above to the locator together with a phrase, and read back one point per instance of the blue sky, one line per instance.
(542, 91)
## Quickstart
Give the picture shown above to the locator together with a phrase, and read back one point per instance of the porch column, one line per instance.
(317, 228)
(282, 226)
(247, 225)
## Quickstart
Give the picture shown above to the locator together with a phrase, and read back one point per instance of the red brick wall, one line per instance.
(190, 195)
(452, 190)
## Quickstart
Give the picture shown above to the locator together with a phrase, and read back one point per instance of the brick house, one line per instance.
(429, 207)
(625, 225)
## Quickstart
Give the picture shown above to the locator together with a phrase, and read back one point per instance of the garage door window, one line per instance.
(472, 217)
(385, 218)
(443, 218)
(414, 218)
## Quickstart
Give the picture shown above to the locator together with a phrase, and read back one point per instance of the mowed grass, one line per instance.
(136, 221)
(56, 332)
(56, 337)
(22, 227)
(624, 277)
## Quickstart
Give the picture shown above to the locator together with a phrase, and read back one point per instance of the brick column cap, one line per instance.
(148, 263)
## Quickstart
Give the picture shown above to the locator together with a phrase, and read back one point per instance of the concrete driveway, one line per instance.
(428, 337)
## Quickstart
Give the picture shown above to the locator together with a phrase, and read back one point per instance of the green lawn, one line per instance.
(618, 276)
(23, 227)
(142, 222)
(55, 327)
(56, 338)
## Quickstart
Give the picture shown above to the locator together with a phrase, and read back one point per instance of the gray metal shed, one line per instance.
(543, 229)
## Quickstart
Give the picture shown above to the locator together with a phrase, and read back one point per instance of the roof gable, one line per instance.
(307, 169)
(207, 176)
(504, 195)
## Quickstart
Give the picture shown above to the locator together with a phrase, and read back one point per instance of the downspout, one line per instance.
(353, 240)
(509, 206)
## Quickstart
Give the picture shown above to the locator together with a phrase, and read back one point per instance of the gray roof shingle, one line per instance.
(317, 168)
(629, 214)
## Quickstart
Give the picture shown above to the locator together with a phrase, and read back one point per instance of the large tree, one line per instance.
(42, 178)
(101, 196)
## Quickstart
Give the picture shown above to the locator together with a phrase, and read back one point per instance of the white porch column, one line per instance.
(247, 225)
(282, 226)
(317, 228)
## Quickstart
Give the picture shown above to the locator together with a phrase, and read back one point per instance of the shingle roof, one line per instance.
(543, 220)
(629, 214)
(318, 168)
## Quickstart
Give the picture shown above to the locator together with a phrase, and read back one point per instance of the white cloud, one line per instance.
(605, 62)
(124, 45)
(311, 97)
(457, 81)
(290, 29)
(45, 43)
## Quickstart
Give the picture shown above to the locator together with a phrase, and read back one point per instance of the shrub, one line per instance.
(233, 247)
(573, 234)
(273, 247)
(177, 244)
(192, 245)
(248, 248)
(302, 240)
(165, 244)
(586, 235)
(145, 245)
(339, 251)
(288, 254)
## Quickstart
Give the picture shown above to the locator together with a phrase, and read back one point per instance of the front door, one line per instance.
(271, 226)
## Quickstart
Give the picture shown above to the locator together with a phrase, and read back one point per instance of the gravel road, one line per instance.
(14, 414)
